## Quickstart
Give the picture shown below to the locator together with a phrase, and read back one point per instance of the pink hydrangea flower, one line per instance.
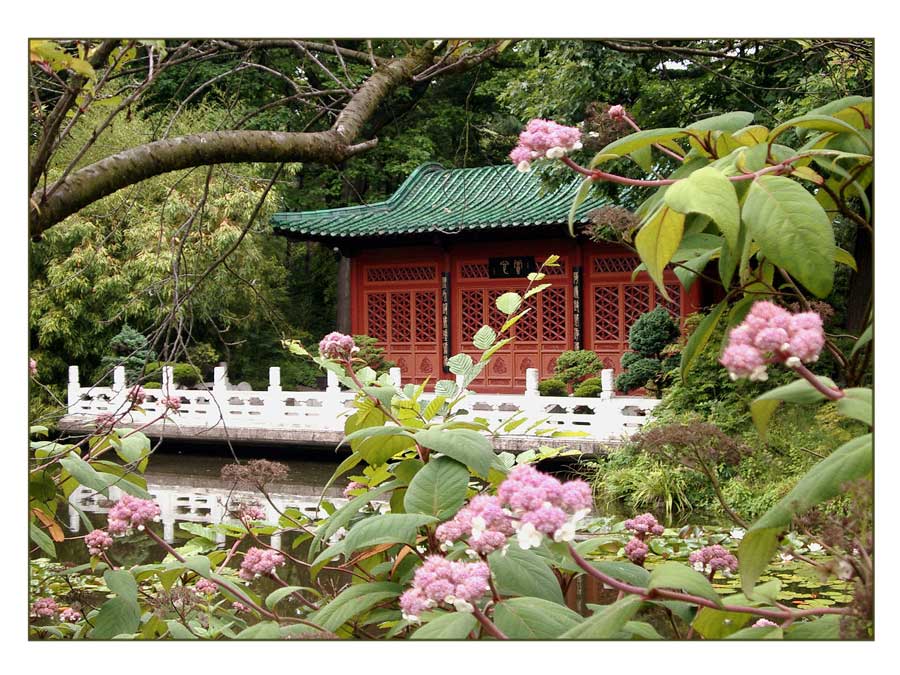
(205, 587)
(131, 513)
(439, 580)
(32, 367)
(250, 512)
(644, 525)
(172, 403)
(483, 522)
(711, 559)
(137, 395)
(636, 551)
(70, 615)
(259, 562)
(337, 346)
(616, 112)
(44, 608)
(770, 334)
(98, 541)
(544, 138)
(764, 623)
(351, 486)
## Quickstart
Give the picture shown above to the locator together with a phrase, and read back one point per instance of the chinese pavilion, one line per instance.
(420, 272)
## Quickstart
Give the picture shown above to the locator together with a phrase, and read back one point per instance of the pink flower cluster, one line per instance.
(205, 587)
(130, 512)
(771, 334)
(764, 623)
(543, 138)
(616, 112)
(259, 562)
(173, 403)
(541, 505)
(337, 346)
(240, 607)
(70, 615)
(351, 486)
(32, 367)
(250, 512)
(44, 608)
(98, 541)
(636, 551)
(440, 580)
(643, 525)
(136, 394)
(483, 522)
(711, 559)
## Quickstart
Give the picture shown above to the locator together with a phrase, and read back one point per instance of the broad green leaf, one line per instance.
(395, 528)
(864, 339)
(449, 626)
(523, 572)
(264, 630)
(534, 619)
(731, 122)
(819, 122)
(823, 628)
(84, 473)
(638, 140)
(464, 445)
(434, 407)
(856, 403)
(603, 625)
(439, 489)
(642, 630)
(460, 364)
(497, 347)
(580, 196)
(353, 601)
(643, 157)
(280, 594)
(534, 291)
(133, 447)
(122, 583)
(39, 537)
(852, 460)
(689, 270)
(657, 241)
(715, 624)
(509, 303)
(845, 258)
(117, 616)
(681, 577)
(798, 391)
(760, 633)
(698, 339)
(179, 631)
(484, 337)
(345, 514)
(129, 481)
(792, 230)
(751, 135)
(709, 192)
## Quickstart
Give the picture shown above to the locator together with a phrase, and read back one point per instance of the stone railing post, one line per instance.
(606, 383)
(273, 404)
(459, 383)
(216, 408)
(119, 391)
(331, 407)
(532, 403)
(74, 394)
(396, 377)
(167, 381)
(531, 382)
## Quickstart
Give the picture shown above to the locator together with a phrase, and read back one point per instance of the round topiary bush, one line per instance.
(590, 388)
(152, 385)
(574, 365)
(638, 375)
(651, 340)
(652, 332)
(553, 387)
(186, 375)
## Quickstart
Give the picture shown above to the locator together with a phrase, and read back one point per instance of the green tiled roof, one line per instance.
(437, 199)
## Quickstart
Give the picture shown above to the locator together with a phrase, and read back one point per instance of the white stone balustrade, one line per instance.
(606, 418)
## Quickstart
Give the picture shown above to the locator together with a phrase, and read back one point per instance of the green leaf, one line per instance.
(534, 291)
(798, 391)
(759, 633)
(464, 445)
(845, 258)
(434, 407)
(39, 537)
(638, 140)
(264, 630)
(580, 196)
(864, 339)
(179, 631)
(856, 403)
(792, 230)
(681, 577)
(399, 528)
(439, 489)
(117, 616)
(852, 460)
(484, 337)
(731, 122)
(122, 583)
(657, 241)
(709, 192)
(823, 628)
(643, 157)
(354, 601)
(642, 630)
(345, 514)
(449, 626)
(605, 624)
(534, 619)
(460, 364)
(819, 122)
(700, 337)
(133, 447)
(689, 270)
(715, 624)
(509, 303)
(523, 572)
(497, 347)
(84, 473)
(280, 594)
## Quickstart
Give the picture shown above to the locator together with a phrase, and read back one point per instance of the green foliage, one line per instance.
(553, 387)
(573, 366)
(130, 349)
(371, 354)
(650, 337)
(589, 388)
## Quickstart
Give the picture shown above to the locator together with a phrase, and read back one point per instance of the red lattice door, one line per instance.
(613, 302)
(541, 336)
(401, 309)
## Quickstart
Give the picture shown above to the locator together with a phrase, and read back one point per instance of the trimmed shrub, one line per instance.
(152, 385)
(186, 375)
(590, 388)
(130, 349)
(650, 361)
(372, 354)
(553, 387)
(575, 365)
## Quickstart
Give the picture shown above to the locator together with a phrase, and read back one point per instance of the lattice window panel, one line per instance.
(553, 315)
(608, 264)
(426, 316)
(496, 318)
(472, 310)
(474, 271)
(400, 317)
(527, 327)
(554, 271)
(606, 313)
(376, 316)
(405, 273)
(637, 302)
(674, 307)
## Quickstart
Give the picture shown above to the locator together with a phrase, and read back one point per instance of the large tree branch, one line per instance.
(102, 178)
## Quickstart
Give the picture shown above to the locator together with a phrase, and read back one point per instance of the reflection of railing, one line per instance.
(601, 419)
(198, 505)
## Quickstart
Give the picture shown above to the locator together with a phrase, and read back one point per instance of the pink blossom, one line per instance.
(547, 519)
(337, 346)
(483, 522)
(616, 112)
(643, 525)
(130, 512)
(711, 559)
(137, 395)
(32, 367)
(259, 562)
(764, 623)
(44, 608)
(205, 587)
(351, 487)
(240, 607)
(440, 580)
(172, 403)
(70, 615)
(636, 551)
(98, 541)
(744, 361)
(544, 139)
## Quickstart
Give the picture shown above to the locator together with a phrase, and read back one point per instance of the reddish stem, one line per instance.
(824, 389)
(489, 625)
(661, 148)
